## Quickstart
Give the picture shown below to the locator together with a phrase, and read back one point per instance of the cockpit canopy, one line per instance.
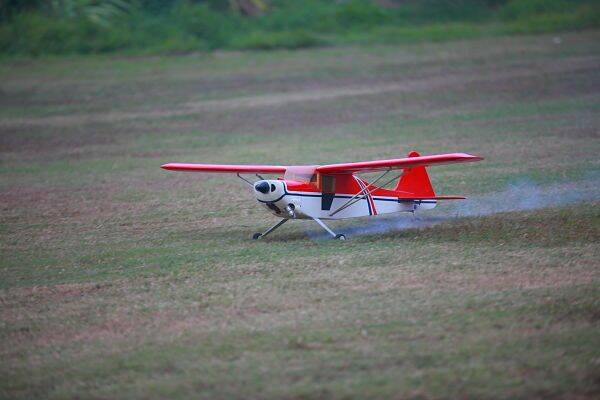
(301, 173)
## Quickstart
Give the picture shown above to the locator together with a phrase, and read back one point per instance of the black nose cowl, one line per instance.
(262, 187)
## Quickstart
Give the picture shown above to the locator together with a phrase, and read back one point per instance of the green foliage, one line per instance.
(440, 11)
(156, 33)
(260, 40)
(430, 32)
(314, 15)
(9, 8)
(537, 16)
(516, 9)
(35, 34)
(361, 14)
(204, 23)
(102, 13)
(152, 26)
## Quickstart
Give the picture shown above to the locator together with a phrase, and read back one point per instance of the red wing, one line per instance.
(225, 168)
(345, 168)
(398, 163)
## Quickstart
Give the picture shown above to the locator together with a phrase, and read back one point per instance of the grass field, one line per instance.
(119, 279)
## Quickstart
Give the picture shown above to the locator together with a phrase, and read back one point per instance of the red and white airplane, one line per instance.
(327, 192)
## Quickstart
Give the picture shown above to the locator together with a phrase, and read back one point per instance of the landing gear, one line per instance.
(338, 236)
(258, 235)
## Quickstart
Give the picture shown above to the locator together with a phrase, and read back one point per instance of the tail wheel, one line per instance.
(340, 236)
(256, 235)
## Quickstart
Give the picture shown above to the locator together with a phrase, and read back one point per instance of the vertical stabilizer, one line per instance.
(415, 180)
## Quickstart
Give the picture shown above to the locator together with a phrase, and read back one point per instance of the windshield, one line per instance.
(301, 173)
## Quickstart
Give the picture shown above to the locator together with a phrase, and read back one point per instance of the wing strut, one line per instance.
(247, 181)
(365, 192)
(244, 179)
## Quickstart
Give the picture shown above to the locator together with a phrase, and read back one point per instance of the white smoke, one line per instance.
(522, 195)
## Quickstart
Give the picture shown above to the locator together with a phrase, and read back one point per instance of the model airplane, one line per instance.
(327, 192)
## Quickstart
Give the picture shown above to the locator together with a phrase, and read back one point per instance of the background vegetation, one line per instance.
(35, 27)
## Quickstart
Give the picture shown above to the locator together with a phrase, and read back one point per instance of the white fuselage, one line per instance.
(286, 203)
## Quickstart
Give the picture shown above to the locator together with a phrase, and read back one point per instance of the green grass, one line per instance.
(121, 280)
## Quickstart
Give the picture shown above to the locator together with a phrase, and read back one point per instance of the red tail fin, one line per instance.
(415, 181)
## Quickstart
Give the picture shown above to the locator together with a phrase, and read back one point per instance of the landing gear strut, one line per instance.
(339, 236)
(258, 235)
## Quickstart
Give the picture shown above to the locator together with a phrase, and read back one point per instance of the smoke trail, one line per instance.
(525, 194)
(522, 195)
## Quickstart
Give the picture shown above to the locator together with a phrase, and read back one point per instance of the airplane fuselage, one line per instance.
(302, 200)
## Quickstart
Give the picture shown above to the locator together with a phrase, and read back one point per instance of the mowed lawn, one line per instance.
(121, 280)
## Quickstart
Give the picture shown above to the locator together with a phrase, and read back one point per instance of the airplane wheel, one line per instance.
(256, 235)
(340, 236)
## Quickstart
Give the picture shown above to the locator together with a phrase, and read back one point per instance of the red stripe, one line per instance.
(369, 197)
